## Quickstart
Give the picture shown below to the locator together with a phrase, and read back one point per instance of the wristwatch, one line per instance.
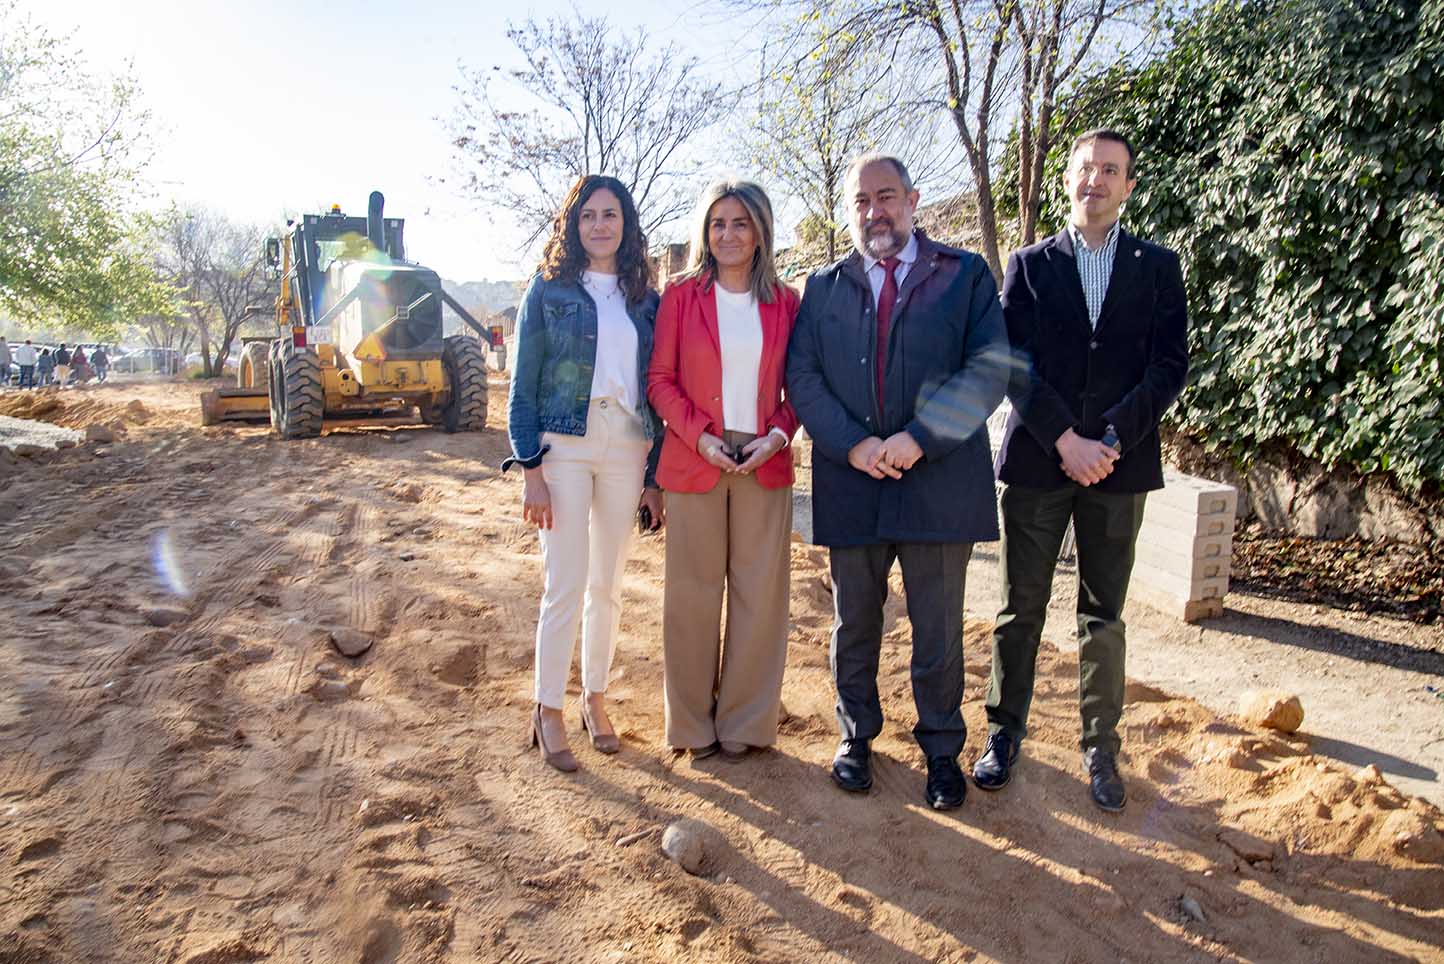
(1110, 439)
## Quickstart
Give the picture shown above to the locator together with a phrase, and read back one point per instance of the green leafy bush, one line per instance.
(1292, 152)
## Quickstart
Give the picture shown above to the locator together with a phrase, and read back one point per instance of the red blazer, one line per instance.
(684, 384)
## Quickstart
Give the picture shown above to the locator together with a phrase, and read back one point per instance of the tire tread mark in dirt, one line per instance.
(22, 770)
(365, 610)
(114, 779)
(339, 740)
(296, 674)
(317, 544)
(195, 633)
(102, 668)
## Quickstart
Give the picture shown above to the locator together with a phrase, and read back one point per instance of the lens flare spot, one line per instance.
(166, 561)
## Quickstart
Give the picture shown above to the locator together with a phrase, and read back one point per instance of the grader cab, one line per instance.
(359, 336)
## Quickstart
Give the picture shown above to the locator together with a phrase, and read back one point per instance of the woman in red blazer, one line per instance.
(716, 380)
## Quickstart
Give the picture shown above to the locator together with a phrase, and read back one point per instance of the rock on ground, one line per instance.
(349, 642)
(684, 842)
(1276, 710)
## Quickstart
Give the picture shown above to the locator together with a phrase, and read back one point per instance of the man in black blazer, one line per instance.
(896, 359)
(1100, 320)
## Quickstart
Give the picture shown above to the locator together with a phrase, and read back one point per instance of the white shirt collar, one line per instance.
(907, 255)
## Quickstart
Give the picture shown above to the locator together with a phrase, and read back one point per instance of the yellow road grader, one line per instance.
(359, 336)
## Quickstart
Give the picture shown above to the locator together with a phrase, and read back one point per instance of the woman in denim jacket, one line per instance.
(587, 441)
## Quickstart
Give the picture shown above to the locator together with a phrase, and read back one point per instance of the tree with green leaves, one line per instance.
(71, 147)
(1290, 151)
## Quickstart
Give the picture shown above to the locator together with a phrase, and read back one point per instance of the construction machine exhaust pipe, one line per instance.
(375, 226)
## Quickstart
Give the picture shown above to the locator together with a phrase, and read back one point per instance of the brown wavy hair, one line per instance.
(565, 259)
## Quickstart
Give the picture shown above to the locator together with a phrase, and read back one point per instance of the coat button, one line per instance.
(862, 360)
(1093, 345)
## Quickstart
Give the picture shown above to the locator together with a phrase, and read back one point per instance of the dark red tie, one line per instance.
(886, 300)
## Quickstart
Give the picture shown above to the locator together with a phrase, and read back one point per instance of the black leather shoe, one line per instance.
(1104, 783)
(852, 766)
(995, 767)
(946, 785)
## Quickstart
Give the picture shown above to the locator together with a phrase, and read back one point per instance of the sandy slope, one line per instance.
(224, 788)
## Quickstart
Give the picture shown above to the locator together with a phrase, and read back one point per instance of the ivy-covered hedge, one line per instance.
(1292, 152)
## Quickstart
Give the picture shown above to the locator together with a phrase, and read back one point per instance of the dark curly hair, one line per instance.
(564, 258)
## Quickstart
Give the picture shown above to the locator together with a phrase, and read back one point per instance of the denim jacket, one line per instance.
(551, 379)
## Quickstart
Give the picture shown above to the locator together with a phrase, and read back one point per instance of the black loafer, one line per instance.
(995, 767)
(946, 785)
(1104, 783)
(852, 766)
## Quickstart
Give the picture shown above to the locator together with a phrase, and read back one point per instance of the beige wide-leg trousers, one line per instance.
(736, 535)
(595, 481)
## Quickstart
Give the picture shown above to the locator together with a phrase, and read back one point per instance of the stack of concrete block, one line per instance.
(1185, 547)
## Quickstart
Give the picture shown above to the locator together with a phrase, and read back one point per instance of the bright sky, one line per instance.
(274, 105)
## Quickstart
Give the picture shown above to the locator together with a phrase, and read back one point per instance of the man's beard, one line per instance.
(886, 244)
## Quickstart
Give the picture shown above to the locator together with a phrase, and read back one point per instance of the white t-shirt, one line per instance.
(739, 331)
(615, 373)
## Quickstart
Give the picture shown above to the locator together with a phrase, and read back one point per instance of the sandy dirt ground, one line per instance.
(190, 773)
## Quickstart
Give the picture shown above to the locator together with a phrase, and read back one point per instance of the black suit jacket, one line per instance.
(1126, 372)
(946, 369)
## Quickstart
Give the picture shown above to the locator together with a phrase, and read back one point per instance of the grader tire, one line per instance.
(465, 366)
(274, 392)
(255, 367)
(303, 400)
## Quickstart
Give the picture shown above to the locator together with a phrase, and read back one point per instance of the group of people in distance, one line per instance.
(38, 367)
(892, 360)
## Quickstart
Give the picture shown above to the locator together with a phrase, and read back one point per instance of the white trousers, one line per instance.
(595, 481)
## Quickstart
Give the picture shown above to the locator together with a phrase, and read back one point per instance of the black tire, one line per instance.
(303, 400)
(254, 370)
(274, 392)
(465, 367)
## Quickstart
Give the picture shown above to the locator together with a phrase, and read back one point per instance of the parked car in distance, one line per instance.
(195, 360)
(143, 361)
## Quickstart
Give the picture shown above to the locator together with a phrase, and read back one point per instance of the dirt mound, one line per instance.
(225, 787)
(73, 411)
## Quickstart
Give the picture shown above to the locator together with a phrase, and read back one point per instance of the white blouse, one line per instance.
(615, 373)
(739, 330)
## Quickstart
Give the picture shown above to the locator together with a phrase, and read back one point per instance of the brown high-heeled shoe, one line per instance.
(602, 742)
(563, 760)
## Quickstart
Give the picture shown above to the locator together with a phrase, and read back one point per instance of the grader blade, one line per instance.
(234, 405)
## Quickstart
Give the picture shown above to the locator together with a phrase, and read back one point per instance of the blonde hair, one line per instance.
(703, 265)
